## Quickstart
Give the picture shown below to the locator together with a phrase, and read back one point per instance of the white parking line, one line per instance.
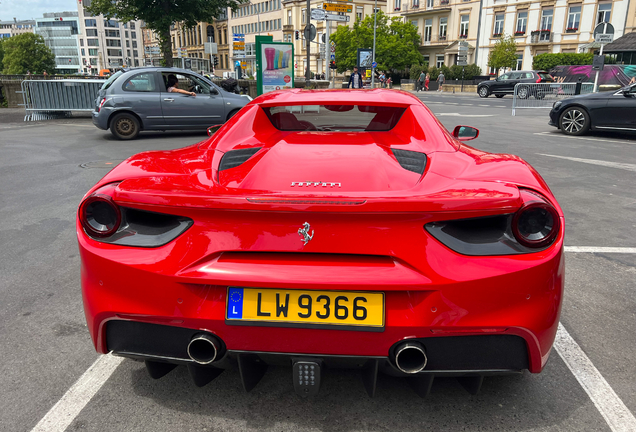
(560, 135)
(611, 407)
(500, 106)
(484, 105)
(593, 249)
(75, 399)
(624, 166)
(464, 115)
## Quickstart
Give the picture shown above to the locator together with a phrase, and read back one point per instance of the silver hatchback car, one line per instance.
(147, 98)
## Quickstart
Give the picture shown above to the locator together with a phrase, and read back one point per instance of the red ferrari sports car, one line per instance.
(322, 229)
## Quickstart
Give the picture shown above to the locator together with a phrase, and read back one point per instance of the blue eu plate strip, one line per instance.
(235, 303)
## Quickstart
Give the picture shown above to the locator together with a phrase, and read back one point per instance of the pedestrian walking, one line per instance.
(382, 80)
(355, 80)
(46, 75)
(440, 79)
(427, 80)
(420, 81)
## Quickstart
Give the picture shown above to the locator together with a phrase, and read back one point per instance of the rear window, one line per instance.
(337, 118)
(545, 76)
(109, 82)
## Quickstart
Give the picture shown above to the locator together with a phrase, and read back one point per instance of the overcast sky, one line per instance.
(30, 9)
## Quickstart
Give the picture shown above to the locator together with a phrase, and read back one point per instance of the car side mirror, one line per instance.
(213, 129)
(465, 133)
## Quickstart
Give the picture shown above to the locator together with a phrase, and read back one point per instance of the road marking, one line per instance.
(75, 399)
(500, 106)
(594, 249)
(464, 115)
(484, 105)
(561, 135)
(450, 103)
(611, 407)
(624, 166)
(468, 105)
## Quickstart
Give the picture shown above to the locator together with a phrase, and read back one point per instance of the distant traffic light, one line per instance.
(332, 65)
(297, 34)
(216, 61)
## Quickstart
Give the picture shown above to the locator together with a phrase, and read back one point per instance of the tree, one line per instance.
(395, 45)
(1, 54)
(503, 54)
(159, 15)
(26, 52)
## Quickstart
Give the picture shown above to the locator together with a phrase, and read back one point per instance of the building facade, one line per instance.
(15, 27)
(61, 31)
(108, 44)
(442, 24)
(551, 26)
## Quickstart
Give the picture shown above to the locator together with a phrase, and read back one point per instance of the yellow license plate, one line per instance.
(299, 308)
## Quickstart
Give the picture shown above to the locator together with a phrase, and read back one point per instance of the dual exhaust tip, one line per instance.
(204, 348)
(410, 357)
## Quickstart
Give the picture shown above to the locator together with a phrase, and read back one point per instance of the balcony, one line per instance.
(434, 40)
(417, 9)
(541, 37)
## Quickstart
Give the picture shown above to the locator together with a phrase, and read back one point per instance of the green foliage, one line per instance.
(446, 71)
(434, 73)
(26, 52)
(159, 15)
(548, 61)
(395, 47)
(415, 71)
(469, 72)
(504, 53)
(1, 54)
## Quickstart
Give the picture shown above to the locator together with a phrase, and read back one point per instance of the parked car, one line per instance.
(505, 84)
(325, 228)
(137, 99)
(596, 111)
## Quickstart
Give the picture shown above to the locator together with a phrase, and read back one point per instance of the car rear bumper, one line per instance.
(100, 121)
(504, 297)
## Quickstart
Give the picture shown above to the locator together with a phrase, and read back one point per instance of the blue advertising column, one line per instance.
(274, 65)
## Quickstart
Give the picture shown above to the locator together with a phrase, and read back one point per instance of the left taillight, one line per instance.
(100, 215)
(536, 224)
(101, 104)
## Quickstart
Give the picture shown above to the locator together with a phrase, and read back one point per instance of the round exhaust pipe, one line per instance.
(410, 357)
(203, 348)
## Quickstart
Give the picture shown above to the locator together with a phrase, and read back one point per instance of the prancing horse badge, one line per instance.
(304, 231)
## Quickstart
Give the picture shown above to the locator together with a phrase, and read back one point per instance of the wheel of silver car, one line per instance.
(124, 126)
(483, 92)
(523, 93)
(575, 121)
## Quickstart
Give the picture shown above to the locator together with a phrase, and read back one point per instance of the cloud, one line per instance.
(31, 9)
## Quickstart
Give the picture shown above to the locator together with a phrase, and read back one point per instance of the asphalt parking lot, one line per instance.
(52, 380)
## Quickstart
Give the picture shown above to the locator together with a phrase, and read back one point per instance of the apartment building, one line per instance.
(630, 19)
(15, 27)
(60, 31)
(442, 24)
(551, 26)
(108, 43)
(188, 43)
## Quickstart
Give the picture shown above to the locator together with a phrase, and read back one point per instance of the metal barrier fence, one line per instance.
(52, 99)
(543, 95)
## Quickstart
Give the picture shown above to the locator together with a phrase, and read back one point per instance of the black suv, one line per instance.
(505, 84)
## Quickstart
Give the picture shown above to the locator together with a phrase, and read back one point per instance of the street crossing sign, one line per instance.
(318, 14)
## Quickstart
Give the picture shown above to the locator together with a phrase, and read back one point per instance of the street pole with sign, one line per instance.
(462, 58)
(604, 34)
(375, 21)
(308, 42)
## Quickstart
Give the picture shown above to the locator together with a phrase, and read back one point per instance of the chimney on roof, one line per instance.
(15, 20)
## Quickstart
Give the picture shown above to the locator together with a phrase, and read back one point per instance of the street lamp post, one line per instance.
(375, 22)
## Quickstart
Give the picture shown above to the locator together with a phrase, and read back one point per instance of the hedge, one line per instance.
(548, 61)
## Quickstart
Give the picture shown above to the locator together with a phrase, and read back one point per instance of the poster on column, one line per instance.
(277, 66)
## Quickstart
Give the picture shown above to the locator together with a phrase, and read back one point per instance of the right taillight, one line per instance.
(536, 224)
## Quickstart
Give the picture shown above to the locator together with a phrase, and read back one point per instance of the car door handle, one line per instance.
(169, 100)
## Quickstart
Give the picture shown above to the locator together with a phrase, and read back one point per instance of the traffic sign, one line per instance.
(604, 38)
(333, 56)
(310, 32)
(333, 7)
(603, 30)
(462, 48)
(334, 17)
(374, 65)
(462, 57)
(463, 43)
(332, 46)
(243, 65)
(318, 14)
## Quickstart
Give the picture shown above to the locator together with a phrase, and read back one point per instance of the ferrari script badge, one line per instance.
(304, 232)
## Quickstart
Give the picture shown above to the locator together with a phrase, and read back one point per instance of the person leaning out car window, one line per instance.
(173, 86)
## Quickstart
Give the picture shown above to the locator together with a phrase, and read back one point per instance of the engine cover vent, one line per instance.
(411, 160)
(234, 158)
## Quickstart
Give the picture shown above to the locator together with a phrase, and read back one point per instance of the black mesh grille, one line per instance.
(234, 158)
(411, 160)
